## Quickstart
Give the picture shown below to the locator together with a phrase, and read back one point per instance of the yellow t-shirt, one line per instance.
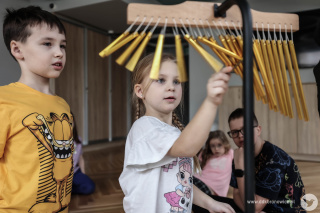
(36, 147)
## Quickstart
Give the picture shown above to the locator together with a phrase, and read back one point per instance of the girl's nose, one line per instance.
(171, 87)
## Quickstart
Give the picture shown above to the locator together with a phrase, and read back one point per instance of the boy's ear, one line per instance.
(15, 49)
(138, 90)
(259, 129)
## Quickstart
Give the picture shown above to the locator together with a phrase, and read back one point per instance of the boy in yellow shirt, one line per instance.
(36, 139)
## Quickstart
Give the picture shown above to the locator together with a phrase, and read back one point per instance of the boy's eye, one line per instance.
(47, 44)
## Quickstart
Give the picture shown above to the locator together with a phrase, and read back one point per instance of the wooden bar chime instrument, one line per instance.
(274, 55)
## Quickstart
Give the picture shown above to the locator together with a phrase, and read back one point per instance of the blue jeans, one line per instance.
(82, 184)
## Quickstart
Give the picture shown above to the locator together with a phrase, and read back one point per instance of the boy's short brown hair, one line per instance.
(17, 23)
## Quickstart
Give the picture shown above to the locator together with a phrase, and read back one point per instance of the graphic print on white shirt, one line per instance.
(180, 198)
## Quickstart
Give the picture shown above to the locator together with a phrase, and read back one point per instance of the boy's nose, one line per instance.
(58, 53)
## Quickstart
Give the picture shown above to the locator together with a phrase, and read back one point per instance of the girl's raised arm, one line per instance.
(196, 132)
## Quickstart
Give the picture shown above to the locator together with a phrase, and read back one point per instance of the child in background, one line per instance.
(216, 164)
(82, 183)
(158, 165)
(36, 141)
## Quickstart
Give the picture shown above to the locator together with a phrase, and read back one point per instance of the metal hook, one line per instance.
(240, 28)
(280, 36)
(224, 32)
(216, 27)
(175, 25)
(235, 28)
(269, 35)
(258, 34)
(210, 28)
(140, 25)
(230, 32)
(263, 35)
(163, 31)
(285, 30)
(200, 34)
(154, 27)
(183, 27)
(204, 30)
(274, 32)
(145, 29)
(193, 33)
(130, 27)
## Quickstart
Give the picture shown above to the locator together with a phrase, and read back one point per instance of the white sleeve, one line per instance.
(150, 146)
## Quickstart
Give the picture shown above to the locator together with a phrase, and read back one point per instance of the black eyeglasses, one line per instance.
(235, 133)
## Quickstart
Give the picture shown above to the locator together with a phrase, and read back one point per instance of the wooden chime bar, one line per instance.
(192, 10)
(272, 58)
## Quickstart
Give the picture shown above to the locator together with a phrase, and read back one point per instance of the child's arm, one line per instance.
(196, 132)
(203, 200)
(82, 164)
(239, 194)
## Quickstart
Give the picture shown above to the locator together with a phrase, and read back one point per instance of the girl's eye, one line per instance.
(62, 46)
(176, 82)
(161, 80)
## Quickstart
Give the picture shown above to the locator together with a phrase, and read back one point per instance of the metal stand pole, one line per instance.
(247, 95)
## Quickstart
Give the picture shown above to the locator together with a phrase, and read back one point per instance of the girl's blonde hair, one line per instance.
(140, 72)
(207, 153)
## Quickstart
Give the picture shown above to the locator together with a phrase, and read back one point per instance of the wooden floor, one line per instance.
(104, 165)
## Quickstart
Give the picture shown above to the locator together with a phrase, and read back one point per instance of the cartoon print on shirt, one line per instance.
(180, 199)
(170, 165)
(55, 146)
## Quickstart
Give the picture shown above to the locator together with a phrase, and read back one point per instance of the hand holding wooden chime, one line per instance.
(272, 57)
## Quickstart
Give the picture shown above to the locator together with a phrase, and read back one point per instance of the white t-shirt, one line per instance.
(151, 180)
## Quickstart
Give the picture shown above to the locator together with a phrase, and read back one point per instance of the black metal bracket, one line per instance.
(247, 95)
(217, 13)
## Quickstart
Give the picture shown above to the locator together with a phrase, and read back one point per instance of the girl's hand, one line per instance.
(218, 85)
(219, 207)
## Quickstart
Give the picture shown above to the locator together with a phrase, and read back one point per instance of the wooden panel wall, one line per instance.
(309, 134)
(119, 97)
(98, 88)
(70, 83)
(292, 135)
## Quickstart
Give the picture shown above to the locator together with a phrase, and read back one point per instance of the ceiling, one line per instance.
(110, 15)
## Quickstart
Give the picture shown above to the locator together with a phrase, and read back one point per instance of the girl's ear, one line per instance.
(138, 90)
(15, 49)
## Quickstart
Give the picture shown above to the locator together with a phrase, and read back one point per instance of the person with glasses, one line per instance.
(278, 183)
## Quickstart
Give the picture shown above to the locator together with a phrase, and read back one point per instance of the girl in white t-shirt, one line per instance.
(216, 164)
(158, 164)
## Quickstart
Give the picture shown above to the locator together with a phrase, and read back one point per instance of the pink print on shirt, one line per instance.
(180, 199)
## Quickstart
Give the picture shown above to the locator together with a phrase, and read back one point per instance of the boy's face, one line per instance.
(237, 124)
(43, 54)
